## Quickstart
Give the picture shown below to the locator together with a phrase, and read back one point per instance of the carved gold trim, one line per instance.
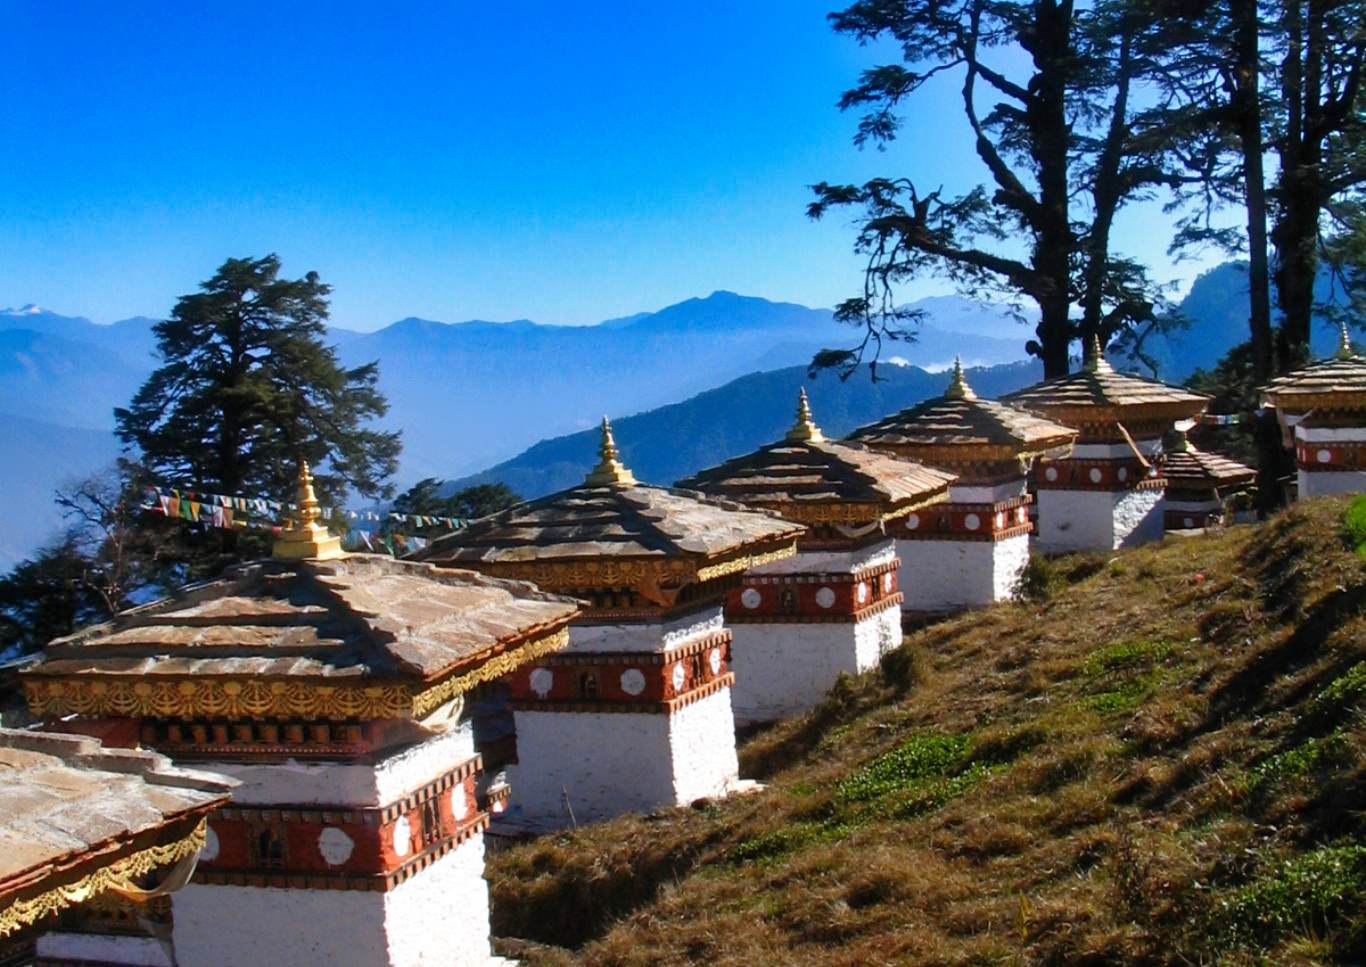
(745, 562)
(119, 875)
(439, 694)
(254, 698)
(662, 574)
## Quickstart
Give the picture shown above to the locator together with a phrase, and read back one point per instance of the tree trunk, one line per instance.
(1296, 232)
(1047, 116)
(1246, 109)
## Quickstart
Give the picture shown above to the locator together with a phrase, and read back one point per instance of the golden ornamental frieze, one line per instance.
(120, 876)
(598, 572)
(256, 698)
(439, 694)
(743, 563)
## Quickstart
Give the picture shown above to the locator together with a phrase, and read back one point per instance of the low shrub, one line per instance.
(1310, 893)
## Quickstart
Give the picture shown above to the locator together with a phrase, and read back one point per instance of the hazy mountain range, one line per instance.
(476, 395)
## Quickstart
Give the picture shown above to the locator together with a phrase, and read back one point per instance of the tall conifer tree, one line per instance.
(248, 386)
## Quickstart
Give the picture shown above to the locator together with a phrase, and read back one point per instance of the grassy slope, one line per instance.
(1158, 759)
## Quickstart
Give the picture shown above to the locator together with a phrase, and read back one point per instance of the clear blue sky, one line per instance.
(566, 163)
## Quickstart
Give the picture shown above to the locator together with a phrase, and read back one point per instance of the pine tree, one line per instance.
(1063, 147)
(248, 387)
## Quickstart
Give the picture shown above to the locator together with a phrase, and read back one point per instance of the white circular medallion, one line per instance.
(825, 597)
(887, 581)
(459, 807)
(751, 598)
(1324, 456)
(541, 680)
(861, 592)
(335, 846)
(679, 676)
(1188, 521)
(1001, 520)
(714, 660)
(972, 522)
(403, 836)
(1051, 473)
(210, 851)
(1095, 474)
(1023, 515)
(632, 681)
(497, 806)
(912, 521)
(1122, 473)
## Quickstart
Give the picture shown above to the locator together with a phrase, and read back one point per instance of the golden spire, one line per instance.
(1344, 342)
(958, 386)
(804, 431)
(303, 537)
(610, 471)
(1094, 356)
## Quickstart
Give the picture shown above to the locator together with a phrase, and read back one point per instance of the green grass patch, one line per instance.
(1347, 689)
(1304, 760)
(927, 756)
(1125, 656)
(1306, 894)
(787, 839)
(1354, 523)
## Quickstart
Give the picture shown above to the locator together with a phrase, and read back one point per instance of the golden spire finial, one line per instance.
(610, 471)
(302, 537)
(804, 430)
(958, 386)
(1094, 357)
(1344, 342)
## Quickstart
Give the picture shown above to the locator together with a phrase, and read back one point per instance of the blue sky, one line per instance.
(566, 163)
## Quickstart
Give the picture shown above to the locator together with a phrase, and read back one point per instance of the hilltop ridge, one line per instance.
(1157, 756)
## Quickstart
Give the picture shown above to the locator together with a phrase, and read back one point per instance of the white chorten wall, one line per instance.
(371, 906)
(799, 623)
(657, 729)
(439, 917)
(951, 575)
(782, 670)
(1322, 456)
(1100, 499)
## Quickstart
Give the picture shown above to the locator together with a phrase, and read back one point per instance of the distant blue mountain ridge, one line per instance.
(479, 394)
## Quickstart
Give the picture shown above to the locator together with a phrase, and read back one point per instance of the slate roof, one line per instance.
(822, 472)
(1097, 384)
(960, 420)
(609, 522)
(1343, 375)
(354, 617)
(69, 806)
(1193, 467)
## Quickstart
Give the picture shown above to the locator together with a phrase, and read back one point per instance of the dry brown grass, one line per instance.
(1117, 764)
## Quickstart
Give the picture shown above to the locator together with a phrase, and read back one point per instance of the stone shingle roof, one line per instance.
(357, 617)
(74, 814)
(822, 472)
(1191, 466)
(959, 420)
(1098, 385)
(1340, 378)
(609, 522)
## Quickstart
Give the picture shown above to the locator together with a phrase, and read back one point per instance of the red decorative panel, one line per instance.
(335, 843)
(1109, 475)
(814, 596)
(626, 681)
(966, 522)
(1335, 455)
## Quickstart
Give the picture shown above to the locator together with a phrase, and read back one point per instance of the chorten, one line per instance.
(834, 608)
(1199, 484)
(1109, 492)
(332, 686)
(87, 832)
(1322, 412)
(969, 551)
(636, 714)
